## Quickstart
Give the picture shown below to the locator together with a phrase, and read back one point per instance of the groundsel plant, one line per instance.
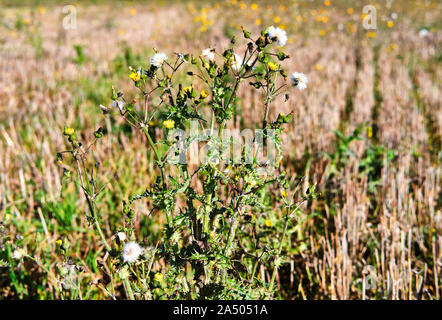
(223, 238)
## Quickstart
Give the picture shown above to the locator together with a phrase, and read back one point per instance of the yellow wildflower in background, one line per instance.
(258, 22)
(390, 24)
(327, 3)
(254, 6)
(272, 66)
(169, 124)
(158, 277)
(69, 131)
(204, 94)
(269, 223)
(350, 11)
(133, 12)
(322, 32)
(371, 34)
(135, 76)
(276, 19)
(188, 90)
(59, 242)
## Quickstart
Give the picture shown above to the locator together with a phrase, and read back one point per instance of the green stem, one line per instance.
(157, 154)
(160, 163)
(128, 289)
(232, 231)
(100, 232)
(275, 270)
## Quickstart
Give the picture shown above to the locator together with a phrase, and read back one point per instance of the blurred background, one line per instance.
(367, 130)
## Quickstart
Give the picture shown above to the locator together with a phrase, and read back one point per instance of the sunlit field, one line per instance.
(93, 207)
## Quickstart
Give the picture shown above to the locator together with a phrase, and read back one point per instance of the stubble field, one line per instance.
(367, 131)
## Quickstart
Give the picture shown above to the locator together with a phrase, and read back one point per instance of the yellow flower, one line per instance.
(133, 12)
(322, 33)
(394, 46)
(325, 19)
(41, 10)
(135, 76)
(258, 22)
(188, 90)
(204, 94)
(276, 19)
(272, 66)
(327, 3)
(370, 132)
(69, 131)
(284, 193)
(269, 223)
(254, 6)
(203, 28)
(151, 123)
(158, 277)
(390, 24)
(169, 124)
(59, 242)
(350, 11)
(319, 67)
(371, 34)
(7, 217)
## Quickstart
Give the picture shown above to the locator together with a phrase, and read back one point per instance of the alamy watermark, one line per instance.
(70, 17)
(232, 146)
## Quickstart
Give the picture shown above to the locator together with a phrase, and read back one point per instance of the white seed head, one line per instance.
(299, 80)
(278, 35)
(18, 254)
(158, 59)
(118, 105)
(236, 62)
(121, 236)
(131, 252)
(208, 54)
